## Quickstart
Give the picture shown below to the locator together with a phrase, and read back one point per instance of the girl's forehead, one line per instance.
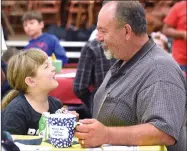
(44, 53)
(46, 61)
(42, 66)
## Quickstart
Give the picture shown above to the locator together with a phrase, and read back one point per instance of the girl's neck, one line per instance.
(38, 102)
(37, 98)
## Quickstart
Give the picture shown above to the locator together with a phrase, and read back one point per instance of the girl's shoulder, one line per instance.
(54, 101)
(17, 107)
(17, 102)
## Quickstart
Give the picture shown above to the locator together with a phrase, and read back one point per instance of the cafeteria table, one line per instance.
(44, 146)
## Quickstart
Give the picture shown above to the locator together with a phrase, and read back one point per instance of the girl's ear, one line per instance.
(30, 81)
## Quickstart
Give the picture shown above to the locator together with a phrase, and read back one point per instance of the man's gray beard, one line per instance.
(108, 54)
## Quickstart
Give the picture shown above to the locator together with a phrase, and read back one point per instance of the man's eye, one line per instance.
(101, 30)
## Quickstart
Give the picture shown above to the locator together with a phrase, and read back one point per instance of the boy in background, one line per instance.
(33, 24)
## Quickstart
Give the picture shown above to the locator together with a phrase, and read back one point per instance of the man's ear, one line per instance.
(30, 81)
(128, 31)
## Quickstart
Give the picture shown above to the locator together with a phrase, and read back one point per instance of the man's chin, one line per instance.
(108, 55)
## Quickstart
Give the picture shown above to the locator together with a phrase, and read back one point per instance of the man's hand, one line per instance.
(91, 133)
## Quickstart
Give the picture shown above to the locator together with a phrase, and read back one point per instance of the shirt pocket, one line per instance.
(106, 110)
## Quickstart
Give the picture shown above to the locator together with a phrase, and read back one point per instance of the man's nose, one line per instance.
(99, 37)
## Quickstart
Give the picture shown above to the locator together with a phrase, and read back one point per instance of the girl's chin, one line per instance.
(56, 84)
(53, 88)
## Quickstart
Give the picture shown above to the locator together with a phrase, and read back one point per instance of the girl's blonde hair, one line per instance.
(20, 66)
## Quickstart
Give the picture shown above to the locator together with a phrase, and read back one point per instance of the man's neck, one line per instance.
(137, 43)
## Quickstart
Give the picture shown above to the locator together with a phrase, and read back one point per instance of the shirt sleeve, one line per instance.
(60, 52)
(83, 77)
(163, 105)
(14, 123)
(172, 17)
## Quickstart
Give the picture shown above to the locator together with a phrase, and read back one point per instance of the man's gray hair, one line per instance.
(132, 13)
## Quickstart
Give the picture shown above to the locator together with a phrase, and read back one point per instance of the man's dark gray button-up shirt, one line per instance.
(149, 88)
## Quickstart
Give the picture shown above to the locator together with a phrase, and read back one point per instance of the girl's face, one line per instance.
(45, 77)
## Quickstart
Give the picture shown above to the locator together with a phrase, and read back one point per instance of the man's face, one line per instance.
(110, 36)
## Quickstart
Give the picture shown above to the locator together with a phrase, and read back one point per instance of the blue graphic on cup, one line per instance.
(61, 128)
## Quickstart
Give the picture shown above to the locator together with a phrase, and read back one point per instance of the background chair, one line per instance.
(79, 13)
(50, 10)
(13, 11)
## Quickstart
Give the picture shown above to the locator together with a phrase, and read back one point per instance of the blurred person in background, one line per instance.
(3, 48)
(175, 27)
(156, 11)
(11, 51)
(3, 44)
(33, 24)
(2, 76)
(92, 68)
(160, 39)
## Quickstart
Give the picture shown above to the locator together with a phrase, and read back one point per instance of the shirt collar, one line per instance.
(117, 68)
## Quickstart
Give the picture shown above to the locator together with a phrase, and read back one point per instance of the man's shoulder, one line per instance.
(161, 57)
(159, 65)
(156, 61)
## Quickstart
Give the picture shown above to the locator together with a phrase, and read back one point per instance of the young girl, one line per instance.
(32, 77)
